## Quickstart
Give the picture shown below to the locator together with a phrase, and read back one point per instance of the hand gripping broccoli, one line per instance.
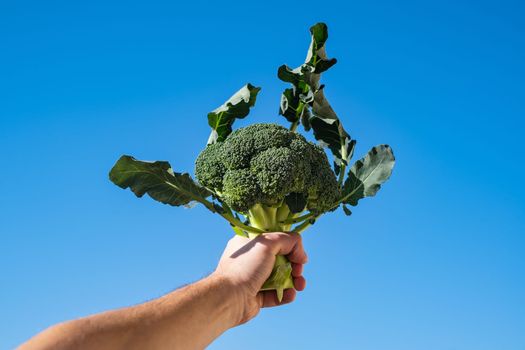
(265, 177)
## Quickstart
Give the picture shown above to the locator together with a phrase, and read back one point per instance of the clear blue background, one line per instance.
(435, 261)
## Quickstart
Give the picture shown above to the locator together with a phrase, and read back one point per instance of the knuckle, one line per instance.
(272, 235)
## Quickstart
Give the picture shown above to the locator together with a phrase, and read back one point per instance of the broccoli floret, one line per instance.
(241, 189)
(256, 167)
(275, 169)
(209, 167)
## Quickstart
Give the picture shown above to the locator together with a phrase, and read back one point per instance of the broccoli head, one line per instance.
(261, 164)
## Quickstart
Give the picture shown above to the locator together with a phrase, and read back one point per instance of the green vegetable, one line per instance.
(265, 177)
(261, 168)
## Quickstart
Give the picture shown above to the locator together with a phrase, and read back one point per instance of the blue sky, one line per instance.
(435, 261)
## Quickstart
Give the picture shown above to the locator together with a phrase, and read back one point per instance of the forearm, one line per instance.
(193, 316)
(188, 318)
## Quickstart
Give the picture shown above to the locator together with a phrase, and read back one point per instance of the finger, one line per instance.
(299, 283)
(269, 297)
(297, 269)
(289, 244)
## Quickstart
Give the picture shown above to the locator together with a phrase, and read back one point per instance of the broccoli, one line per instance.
(265, 177)
(259, 168)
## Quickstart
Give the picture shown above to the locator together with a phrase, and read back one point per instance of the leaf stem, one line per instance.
(239, 224)
(304, 225)
(228, 216)
(298, 114)
(344, 159)
(297, 219)
(341, 175)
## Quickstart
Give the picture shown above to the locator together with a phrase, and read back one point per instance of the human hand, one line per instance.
(246, 264)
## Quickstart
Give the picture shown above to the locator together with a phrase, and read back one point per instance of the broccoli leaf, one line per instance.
(316, 56)
(329, 131)
(237, 107)
(158, 180)
(305, 102)
(305, 78)
(296, 202)
(290, 104)
(367, 174)
(305, 119)
(289, 75)
(346, 210)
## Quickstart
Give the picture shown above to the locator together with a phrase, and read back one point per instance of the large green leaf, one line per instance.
(237, 107)
(290, 103)
(316, 56)
(158, 180)
(289, 75)
(367, 174)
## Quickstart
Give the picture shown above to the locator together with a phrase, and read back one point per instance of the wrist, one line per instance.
(231, 298)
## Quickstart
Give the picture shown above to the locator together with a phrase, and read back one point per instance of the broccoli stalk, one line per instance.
(268, 219)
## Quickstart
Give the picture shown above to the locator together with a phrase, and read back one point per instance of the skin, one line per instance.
(193, 316)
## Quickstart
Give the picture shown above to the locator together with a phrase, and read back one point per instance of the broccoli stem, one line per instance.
(264, 218)
(269, 219)
(280, 278)
(298, 114)
(283, 213)
(294, 125)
